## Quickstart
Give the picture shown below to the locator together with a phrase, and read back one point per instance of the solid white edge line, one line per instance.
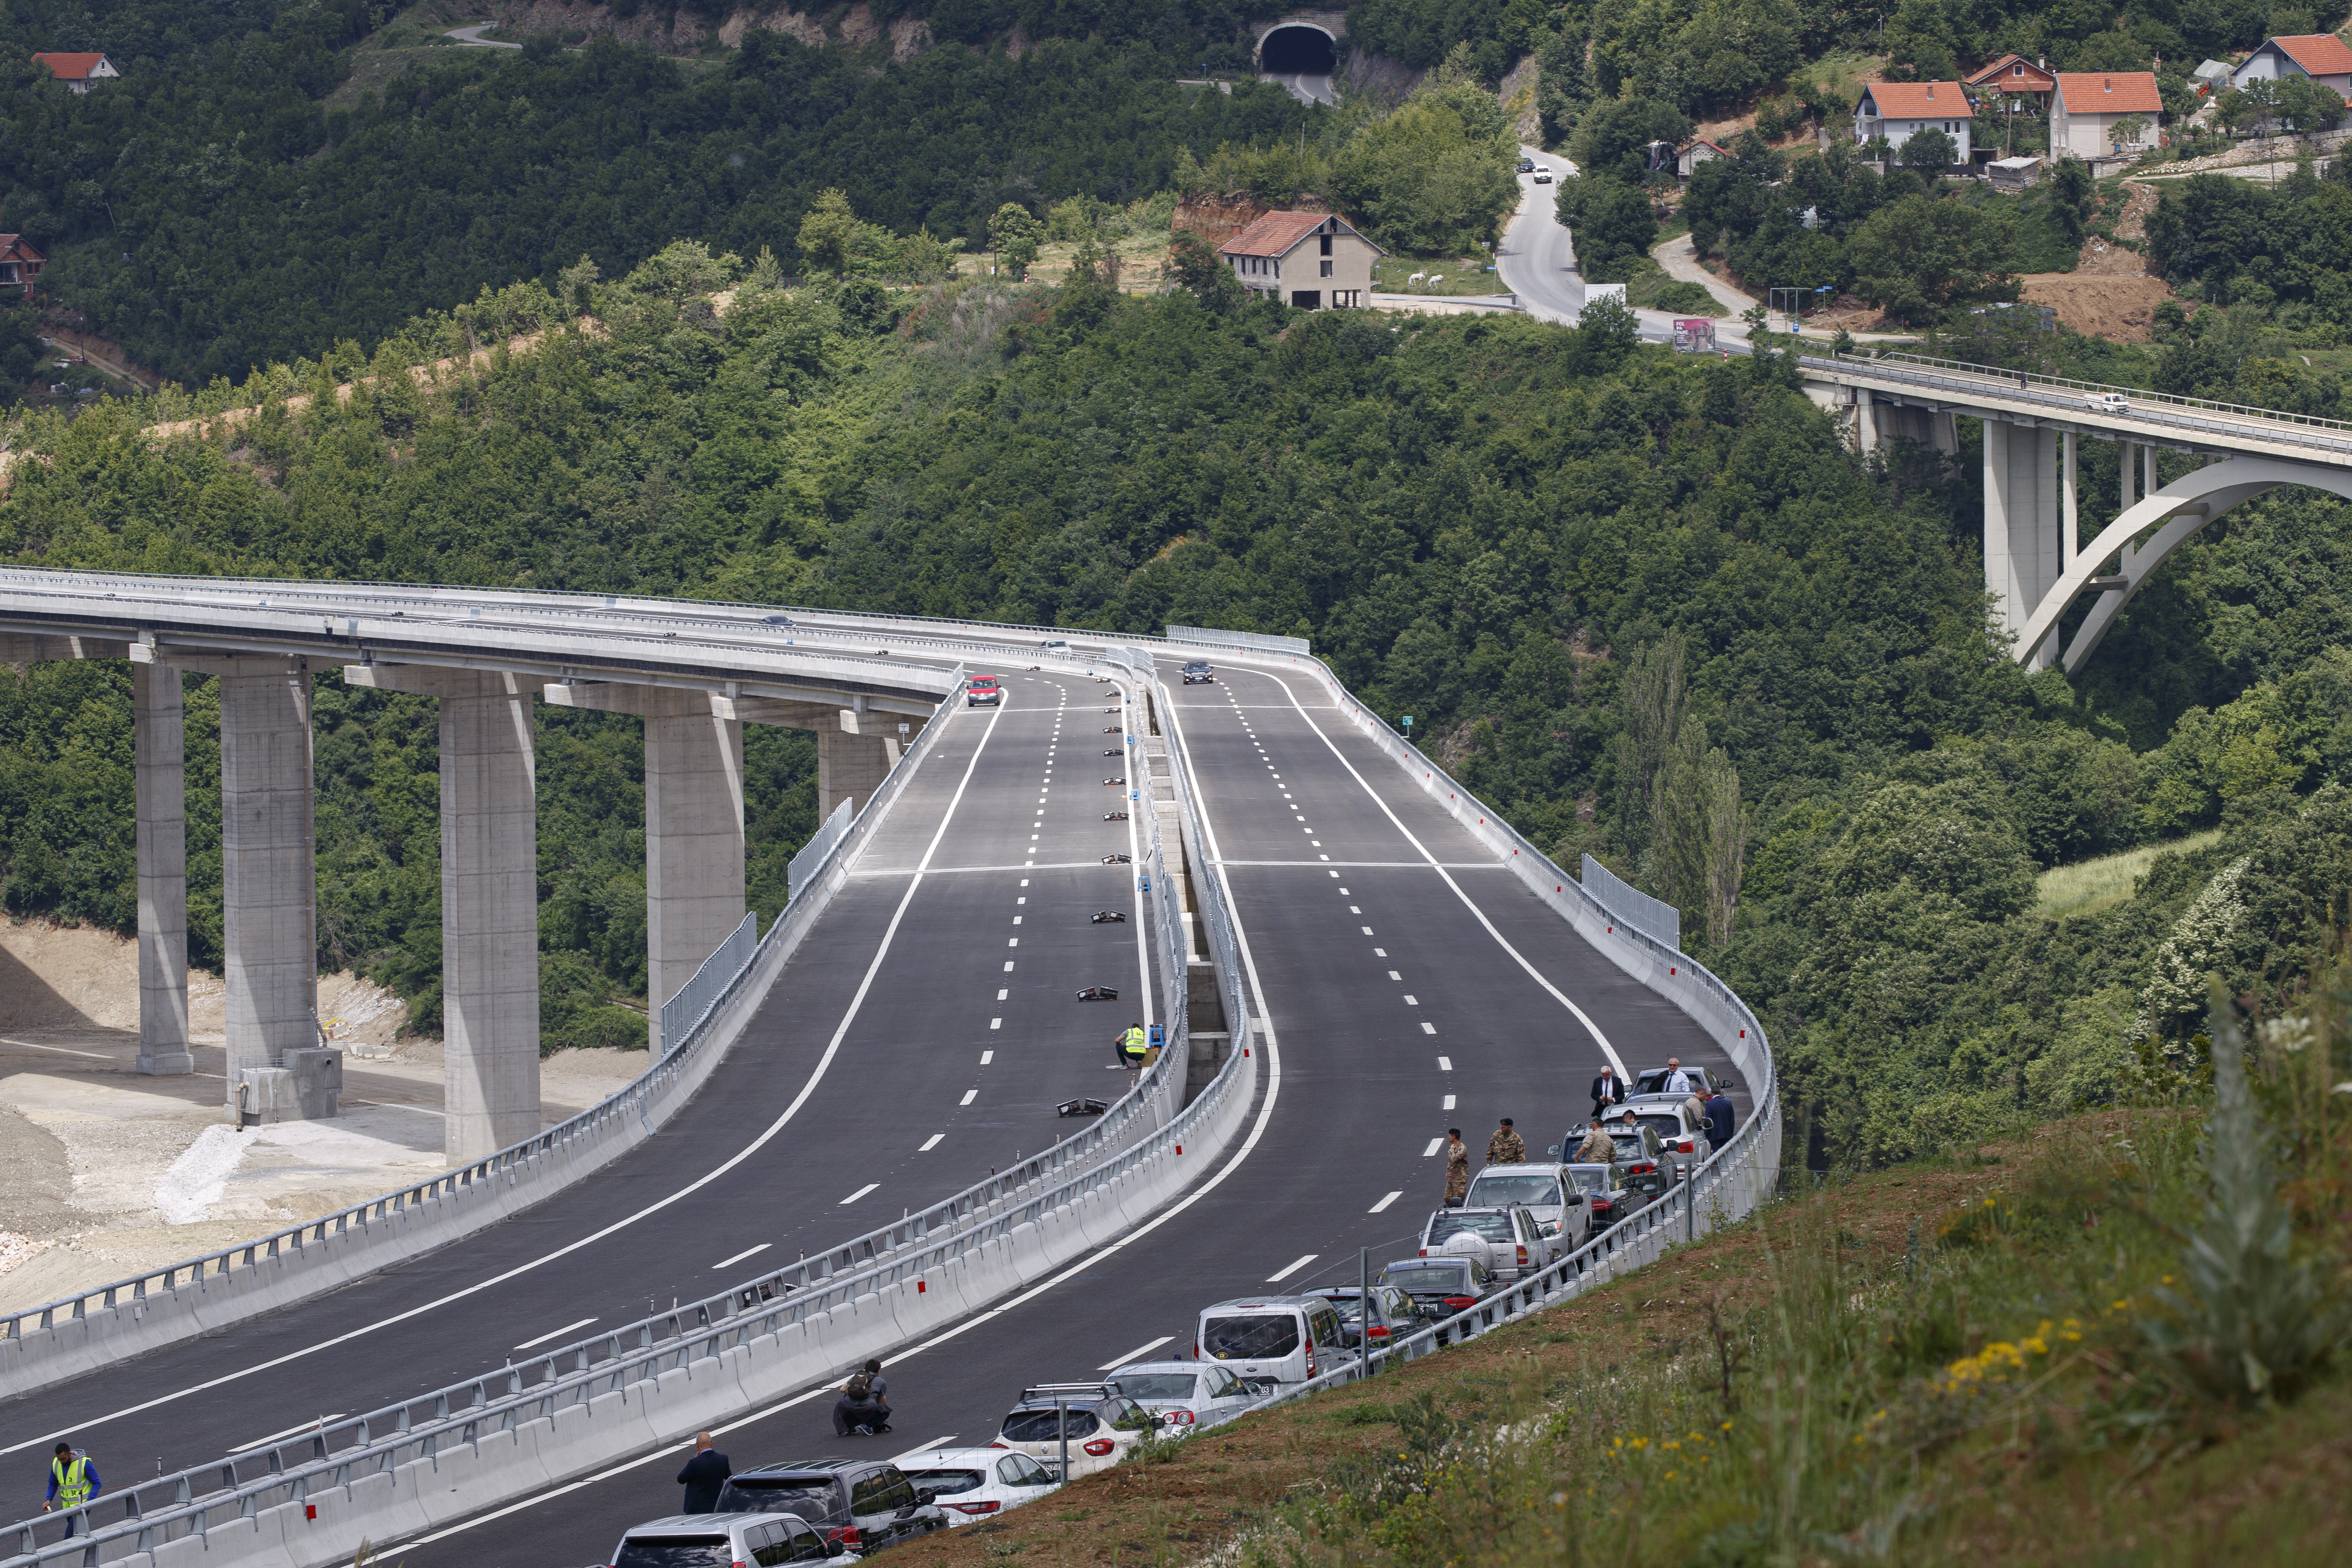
(815, 1076)
(747, 1252)
(1266, 1042)
(554, 1334)
(1138, 1353)
(1130, 719)
(1422, 851)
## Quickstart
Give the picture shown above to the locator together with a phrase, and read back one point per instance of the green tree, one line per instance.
(1014, 236)
(1611, 222)
(1930, 153)
(1615, 138)
(832, 236)
(1194, 266)
(2307, 106)
(1434, 178)
(1918, 257)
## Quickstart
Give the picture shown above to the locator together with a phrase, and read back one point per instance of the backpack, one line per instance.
(861, 1387)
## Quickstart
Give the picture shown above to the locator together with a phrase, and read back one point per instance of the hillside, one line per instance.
(1997, 1356)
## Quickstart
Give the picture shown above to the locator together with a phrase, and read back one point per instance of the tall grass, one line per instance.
(2089, 886)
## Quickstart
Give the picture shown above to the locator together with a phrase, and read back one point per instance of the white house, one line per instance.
(1899, 110)
(2089, 106)
(2322, 57)
(78, 71)
(1330, 264)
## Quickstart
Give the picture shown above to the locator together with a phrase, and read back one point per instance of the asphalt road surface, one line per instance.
(911, 979)
(1537, 259)
(1409, 984)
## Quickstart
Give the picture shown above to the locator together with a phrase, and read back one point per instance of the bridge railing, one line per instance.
(1869, 363)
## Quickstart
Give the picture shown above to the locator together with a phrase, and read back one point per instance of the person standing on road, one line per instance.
(1608, 1089)
(1597, 1148)
(1718, 1119)
(1457, 1168)
(1677, 1082)
(704, 1477)
(73, 1481)
(1506, 1147)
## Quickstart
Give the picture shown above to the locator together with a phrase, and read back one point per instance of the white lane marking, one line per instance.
(1368, 931)
(1446, 1064)
(555, 1333)
(1269, 1040)
(1380, 953)
(1285, 1272)
(940, 1441)
(1428, 1028)
(993, 1024)
(1422, 851)
(1435, 1145)
(930, 1144)
(1352, 908)
(1394, 975)
(858, 1195)
(310, 1425)
(986, 1058)
(1410, 1001)
(969, 1096)
(747, 1252)
(1012, 942)
(773, 1128)
(1138, 1353)
(1384, 1203)
(1008, 966)
(1448, 1105)
(1002, 995)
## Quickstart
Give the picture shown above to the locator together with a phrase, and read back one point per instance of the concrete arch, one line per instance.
(2183, 507)
(1332, 24)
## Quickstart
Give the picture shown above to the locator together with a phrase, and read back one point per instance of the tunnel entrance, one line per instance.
(1298, 52)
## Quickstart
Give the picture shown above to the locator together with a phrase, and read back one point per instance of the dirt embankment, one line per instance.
(2109, 294)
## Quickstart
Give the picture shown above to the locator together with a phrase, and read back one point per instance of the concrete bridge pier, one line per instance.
(489, 901)
(158, 765)
(852, 758)
(2031, 510)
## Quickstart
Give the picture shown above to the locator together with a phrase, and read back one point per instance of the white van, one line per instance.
(1270, 1341)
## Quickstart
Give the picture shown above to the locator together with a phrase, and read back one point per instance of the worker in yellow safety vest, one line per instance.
(1133, 1047)
(73, 1481)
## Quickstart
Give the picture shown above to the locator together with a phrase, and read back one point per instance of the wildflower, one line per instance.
(1726, 1427)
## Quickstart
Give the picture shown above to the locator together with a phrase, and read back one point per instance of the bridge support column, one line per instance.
(268, 886)
(158, 736)
(2070, 502)
(852, 759)
(2021, 522)
(1865, 422)
(693, 838)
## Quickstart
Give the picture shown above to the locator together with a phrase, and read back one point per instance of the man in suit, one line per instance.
(1718, 1117)
(704, 1477)
(1608, 1089)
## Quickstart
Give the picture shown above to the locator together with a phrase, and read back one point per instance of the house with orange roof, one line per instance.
(19, 262)
(1898, 111)
(2322, 57)
(1312, 260)
(2014, 75)
(2089, 111)
(78, 71)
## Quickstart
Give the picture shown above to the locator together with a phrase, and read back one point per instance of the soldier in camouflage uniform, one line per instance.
(1457, 1168)
(1506, 1147)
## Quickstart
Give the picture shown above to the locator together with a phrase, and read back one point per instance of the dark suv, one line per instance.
(860, 1505)
(1198, 671)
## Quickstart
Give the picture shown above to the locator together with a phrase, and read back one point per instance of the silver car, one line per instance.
(1669, 1116)
(724, 1540)
(1546, 1190)
(1508, 1240)
(1185, 1394)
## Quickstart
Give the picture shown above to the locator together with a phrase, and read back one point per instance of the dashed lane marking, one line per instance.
(1138, 1353)
(747, 1252)
(931, 1142)
(1279, 1275)
(1446, 1064)
(555, 1333)
(858, 1195)
(969, 1096)
(1384, 1203)
(1435, 1145)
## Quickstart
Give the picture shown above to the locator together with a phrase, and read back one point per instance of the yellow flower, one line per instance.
(1641, 1442)
(1726, 1427)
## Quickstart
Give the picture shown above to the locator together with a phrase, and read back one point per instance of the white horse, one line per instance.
(1436, 281)
(1415, 278)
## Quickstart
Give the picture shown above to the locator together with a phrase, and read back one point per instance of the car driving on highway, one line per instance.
(1442, 1285)
(1185, 1394)
(1102, 1424)
(864, 1505)
(973, 1484)
(1269, 1341)
(1510, 1243)
(724, 1540)
(1545, 1191)
(1197, 672)
(982, 691)
(2107, 401)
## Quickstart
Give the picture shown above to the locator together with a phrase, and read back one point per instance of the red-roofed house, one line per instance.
(1313, 260)
(2322, 57)
(1899, 110)
(19, 262)
(78, 71)
(2089, 106)
(1699, 151)
(2014, 75)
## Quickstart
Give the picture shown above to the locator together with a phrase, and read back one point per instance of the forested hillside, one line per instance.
(1648, 606)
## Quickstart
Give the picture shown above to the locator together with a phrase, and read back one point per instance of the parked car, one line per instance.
(1197, 672)
(973, 1484)
(1669, 1116)
(1394, 1314)
(1606, 1200)
(1269, 1341)
(1102, 1424)
(1055, 643)
(866, 1505)
(1654, 1080)
(1440, 1286)
(982, 691)
(1545, 1191)
(1512, 1244)
(1185, 1394)
(724, 1540)
(1641, 1159)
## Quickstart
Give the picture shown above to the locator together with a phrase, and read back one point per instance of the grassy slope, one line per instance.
(2089, 886)
(1640, 1456)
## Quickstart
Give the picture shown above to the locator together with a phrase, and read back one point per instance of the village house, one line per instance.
(2015, 75)
(1312, 260)
(19, 262)
(1898, 111)
(2088, 113)
(1699, 151)
(2322, 57)
(78, 71)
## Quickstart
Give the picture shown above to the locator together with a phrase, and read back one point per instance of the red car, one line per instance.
(982, 690)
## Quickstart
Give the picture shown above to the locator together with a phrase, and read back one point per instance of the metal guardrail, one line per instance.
(684, 1012)
(334, 1453)
(1265, 640)
(814, 853)
(1651, 917)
